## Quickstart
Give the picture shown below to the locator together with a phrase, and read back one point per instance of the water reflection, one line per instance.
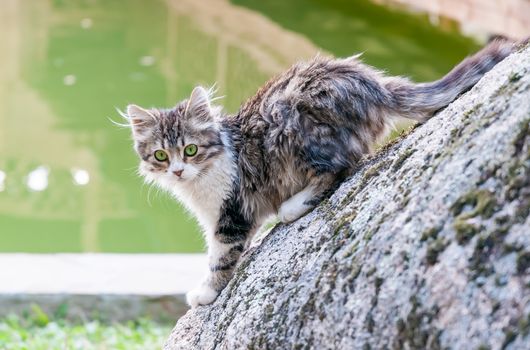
(86, 23)
(81, 177)
(37, 180)
(68, 177)
(69, 80)
(2, 180)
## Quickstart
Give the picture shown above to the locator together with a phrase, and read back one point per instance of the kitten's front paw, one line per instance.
(290, 212)
(286, 217)
(202, 295)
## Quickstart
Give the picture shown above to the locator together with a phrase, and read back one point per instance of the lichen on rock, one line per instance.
(427, 246)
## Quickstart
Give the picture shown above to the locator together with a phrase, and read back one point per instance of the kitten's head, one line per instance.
(178, 145)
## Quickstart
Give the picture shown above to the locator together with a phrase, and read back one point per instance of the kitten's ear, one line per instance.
(199, 107)
(141, 120)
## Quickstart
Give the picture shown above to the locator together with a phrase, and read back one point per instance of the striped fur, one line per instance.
(287, 148)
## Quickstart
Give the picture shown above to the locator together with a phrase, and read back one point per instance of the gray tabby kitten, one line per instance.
(285, 150)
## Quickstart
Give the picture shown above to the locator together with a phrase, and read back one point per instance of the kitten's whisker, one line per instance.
(133, 168)
(121, 125)
(212, 90)
(357, 55)
(122, 114)
(149, 196)
(217, 98)
(159, 193)
(129, 119)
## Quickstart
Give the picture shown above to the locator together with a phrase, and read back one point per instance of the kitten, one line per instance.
(286, 148)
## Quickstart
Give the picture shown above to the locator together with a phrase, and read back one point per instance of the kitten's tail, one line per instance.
(420, 101)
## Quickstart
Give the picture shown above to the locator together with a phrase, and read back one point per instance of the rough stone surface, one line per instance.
(427, 246)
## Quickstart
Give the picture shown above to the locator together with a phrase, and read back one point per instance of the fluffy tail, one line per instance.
(420, 101)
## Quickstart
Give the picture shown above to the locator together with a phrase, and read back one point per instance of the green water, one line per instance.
(67, 174)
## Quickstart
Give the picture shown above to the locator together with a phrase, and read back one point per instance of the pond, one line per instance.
(68, 179)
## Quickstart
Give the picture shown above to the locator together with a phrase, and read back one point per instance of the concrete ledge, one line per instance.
(109, 286)
(105, 307)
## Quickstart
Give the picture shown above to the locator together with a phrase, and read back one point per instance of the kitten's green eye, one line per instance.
(191, 150)
(160, 155)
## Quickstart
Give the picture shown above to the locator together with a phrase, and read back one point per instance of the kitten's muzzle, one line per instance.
(178, 173)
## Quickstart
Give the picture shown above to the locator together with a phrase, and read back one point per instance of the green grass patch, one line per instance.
(39, 331)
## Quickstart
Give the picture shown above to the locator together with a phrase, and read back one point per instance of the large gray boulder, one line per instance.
(427, 246)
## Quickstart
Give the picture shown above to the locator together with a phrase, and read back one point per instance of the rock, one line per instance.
(427, 246)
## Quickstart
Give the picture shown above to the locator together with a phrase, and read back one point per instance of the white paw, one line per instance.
(296, 206)
(202, 295)
(290, 211)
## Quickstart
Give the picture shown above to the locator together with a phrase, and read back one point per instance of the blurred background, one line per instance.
(68, 181)
(67, 174)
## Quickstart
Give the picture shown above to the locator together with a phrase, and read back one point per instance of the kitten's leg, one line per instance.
(307, 199)
(222, 258)
(225, 246)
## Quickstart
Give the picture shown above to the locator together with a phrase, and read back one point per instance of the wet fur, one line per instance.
(287, 147)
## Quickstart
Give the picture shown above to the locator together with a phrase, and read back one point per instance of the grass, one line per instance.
(37, 331)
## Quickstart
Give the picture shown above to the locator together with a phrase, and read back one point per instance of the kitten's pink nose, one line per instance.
(178, 172)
